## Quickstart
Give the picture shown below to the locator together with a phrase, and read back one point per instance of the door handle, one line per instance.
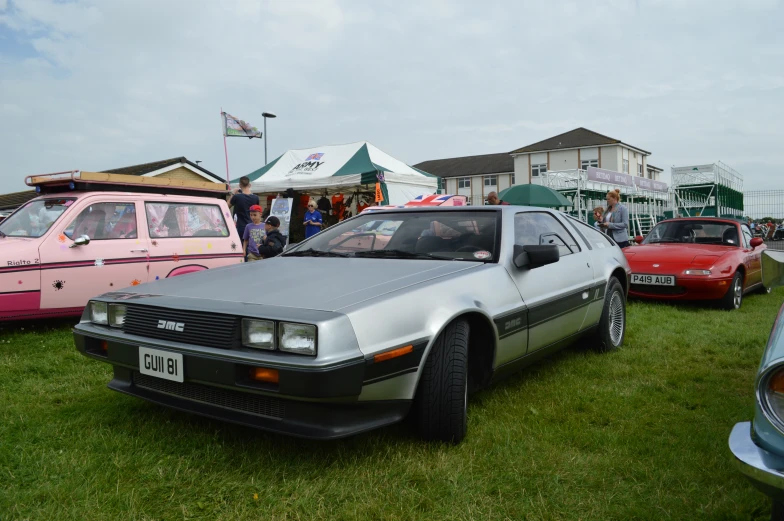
(143, 250)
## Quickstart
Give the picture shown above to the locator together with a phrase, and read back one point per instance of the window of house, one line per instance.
(491, 180)
(513, 179)
(625, 166)
(464, 182)
(639, 170)
(585, 163)
(536, 170)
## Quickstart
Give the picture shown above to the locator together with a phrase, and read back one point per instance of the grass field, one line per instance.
(640, 433)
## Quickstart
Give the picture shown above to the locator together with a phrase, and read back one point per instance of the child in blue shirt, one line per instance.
(253, 235)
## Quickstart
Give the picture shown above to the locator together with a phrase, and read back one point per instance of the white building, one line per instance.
(476, 176)
(579, 149)
(473, 176)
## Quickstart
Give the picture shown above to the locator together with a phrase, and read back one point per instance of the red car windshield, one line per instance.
(694, 232)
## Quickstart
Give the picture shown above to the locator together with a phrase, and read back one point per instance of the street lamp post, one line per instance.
(266, 115)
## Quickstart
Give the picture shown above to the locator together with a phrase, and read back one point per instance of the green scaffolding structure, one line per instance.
(646, 207)
(712, 190)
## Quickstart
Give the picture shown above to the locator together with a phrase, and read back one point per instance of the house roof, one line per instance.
(147, 168)
(577, 138)
(16, 199)
(469, 165)
(655, 168)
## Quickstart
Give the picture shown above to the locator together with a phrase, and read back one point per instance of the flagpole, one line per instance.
(225, 150)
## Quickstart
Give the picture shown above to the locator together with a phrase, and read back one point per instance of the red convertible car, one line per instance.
(697, 258)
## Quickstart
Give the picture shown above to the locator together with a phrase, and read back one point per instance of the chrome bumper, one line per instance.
(764, 469)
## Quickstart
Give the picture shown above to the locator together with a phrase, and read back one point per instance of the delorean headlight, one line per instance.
(117, 315)
(258, 334)
(99, 313)
(297, 338)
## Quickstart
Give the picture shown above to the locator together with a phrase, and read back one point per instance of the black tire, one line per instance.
(612, 324)
(733, 299)
(442, 396)
(764, 291)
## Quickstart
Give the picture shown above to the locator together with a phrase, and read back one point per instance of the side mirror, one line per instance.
(639, 239)
(84, 240)
(756, 242)
(534, 256)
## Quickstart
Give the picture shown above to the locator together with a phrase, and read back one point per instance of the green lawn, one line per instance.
(640, 433)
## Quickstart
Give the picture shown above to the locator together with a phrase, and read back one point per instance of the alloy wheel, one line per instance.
(737, 293)
(616, 318)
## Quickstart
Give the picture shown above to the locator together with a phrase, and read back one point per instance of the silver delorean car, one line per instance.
(390, 313)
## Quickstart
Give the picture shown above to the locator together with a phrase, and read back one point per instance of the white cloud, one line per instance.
(118, 83)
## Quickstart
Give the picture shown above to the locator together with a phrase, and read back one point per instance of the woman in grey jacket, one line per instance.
(616, 219)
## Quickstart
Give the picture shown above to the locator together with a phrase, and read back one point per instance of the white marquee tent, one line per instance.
(343, 169)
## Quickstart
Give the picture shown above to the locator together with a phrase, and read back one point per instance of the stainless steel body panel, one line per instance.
(365, 306)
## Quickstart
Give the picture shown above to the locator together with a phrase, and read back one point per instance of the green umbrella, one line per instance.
(533, 195)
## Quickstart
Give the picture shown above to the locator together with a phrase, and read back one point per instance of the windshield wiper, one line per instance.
(402, 254)
(310, 252)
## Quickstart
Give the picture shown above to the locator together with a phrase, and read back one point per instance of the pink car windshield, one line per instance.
(35, 218)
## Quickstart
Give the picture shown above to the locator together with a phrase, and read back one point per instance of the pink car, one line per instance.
(61, 249)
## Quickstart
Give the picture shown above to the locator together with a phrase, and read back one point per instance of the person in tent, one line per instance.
(313, 220)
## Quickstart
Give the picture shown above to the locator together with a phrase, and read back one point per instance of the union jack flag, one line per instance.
(315, 157)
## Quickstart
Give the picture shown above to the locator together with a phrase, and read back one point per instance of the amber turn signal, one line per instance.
(263, 374)
(776, 382)
(104, 345)
(400, 351)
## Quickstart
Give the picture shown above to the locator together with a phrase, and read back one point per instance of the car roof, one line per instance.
(484, 208)
(146, 196)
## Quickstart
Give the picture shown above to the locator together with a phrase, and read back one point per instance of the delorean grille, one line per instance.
(198, 328)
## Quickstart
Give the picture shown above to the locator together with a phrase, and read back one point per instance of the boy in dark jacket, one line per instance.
(274, 243)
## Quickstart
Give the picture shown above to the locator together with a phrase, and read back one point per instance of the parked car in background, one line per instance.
(758, 446)
(329, 339)
(697, 258)
(77, 241)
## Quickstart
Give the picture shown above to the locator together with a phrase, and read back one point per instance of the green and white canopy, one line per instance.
(342, 169)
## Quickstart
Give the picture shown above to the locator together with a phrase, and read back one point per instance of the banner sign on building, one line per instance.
(233, 127)
(618, 179)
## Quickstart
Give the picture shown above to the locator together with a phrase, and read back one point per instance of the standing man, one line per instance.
(492, 199)
(242, 200)
(313, 220)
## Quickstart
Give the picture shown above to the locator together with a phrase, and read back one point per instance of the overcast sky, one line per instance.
(94, 85)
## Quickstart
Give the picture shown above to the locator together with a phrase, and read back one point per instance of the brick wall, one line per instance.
(181, 173)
